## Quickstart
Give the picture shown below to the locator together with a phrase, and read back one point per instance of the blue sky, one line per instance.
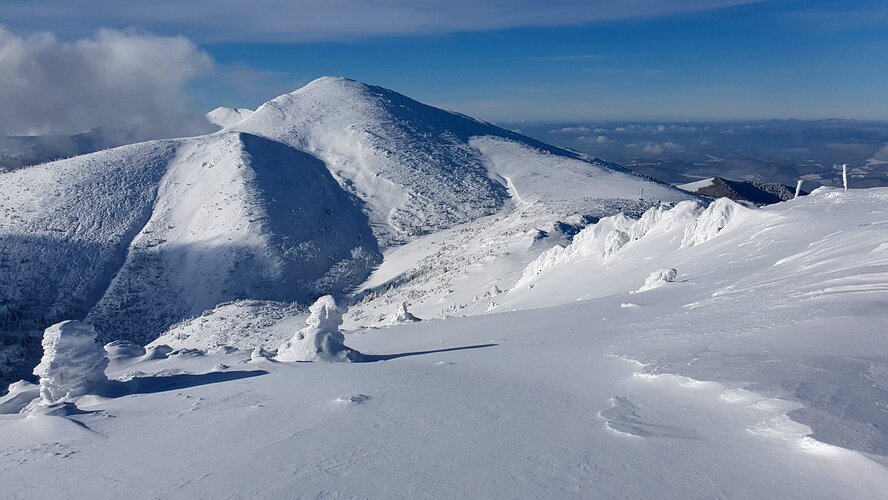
(512, 61)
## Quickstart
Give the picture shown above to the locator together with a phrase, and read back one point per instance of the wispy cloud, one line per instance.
(118, 80)
(306, 20)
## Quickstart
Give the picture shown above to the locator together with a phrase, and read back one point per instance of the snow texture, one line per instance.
(73, 363)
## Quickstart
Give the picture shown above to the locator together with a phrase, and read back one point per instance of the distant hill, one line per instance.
(757, 192)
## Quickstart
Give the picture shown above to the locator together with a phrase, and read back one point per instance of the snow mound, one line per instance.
(659, 278)
(19, 395)
(717, 216)
(226, 117)
(73, 363)
(321, 339)
(124, 349)
(401, 315)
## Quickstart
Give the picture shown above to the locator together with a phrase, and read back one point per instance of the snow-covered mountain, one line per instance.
(757, 192)
(224, 117)
(297, 200)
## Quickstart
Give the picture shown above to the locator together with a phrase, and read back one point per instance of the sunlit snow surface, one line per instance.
(761, 371)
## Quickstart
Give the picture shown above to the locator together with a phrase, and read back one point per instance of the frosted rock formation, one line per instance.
(401, 315)
(73, 363)
(321, 339)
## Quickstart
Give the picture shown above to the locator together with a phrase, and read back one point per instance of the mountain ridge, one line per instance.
(297, 200)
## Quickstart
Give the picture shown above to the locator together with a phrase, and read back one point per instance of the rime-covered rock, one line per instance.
(73, 363)
(321, 339)
(401, 315)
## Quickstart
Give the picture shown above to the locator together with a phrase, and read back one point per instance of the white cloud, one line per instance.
(652, 150)
(120, 80)
(599, 139)
(570, 130)
(302, 20)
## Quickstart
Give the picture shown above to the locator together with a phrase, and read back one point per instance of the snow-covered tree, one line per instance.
(321, 339)
(73, 363)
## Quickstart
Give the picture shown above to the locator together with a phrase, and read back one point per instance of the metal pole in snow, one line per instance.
(798, 188)
(845, 175)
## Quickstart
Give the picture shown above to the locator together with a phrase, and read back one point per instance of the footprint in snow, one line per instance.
(354, 398)
(623, 417)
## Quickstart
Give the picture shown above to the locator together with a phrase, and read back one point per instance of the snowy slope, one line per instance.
(759, 371)
(237, 217)
(138, 238)
(225, 117)
(64, 232)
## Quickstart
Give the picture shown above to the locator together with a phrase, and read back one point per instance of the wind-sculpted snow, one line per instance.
(717, 216)
(73, 363)
(401, 315)
(658, 278)
(321, 339)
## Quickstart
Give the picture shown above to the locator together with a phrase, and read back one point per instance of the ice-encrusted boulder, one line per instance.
(73, 363)
(321, 339)
(716, 217)
(401, 315)
(659, 278)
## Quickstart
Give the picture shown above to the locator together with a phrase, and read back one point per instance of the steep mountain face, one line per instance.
(137, 238)
(236, 217)
(296, 200)
(759, 193)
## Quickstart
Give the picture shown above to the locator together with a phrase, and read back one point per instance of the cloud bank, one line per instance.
(123, 81)
(311, 20)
